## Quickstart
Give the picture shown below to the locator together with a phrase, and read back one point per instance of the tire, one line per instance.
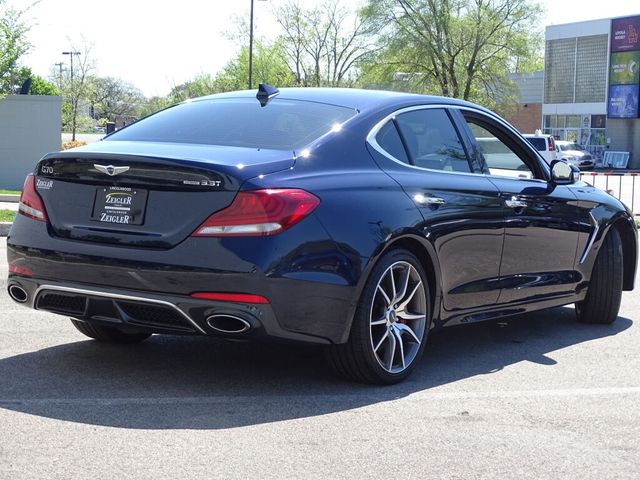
(602, 303)
(108, 334)
(389, 332)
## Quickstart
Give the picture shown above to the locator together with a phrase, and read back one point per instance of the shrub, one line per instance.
(72, 144)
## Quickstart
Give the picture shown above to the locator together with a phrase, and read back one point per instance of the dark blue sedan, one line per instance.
(359, 220)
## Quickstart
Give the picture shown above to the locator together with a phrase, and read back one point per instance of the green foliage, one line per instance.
(13, 44)
(152, 105)
(110, 97)
(457, 48)
(39, 86)
(7, 215)
(269, 66)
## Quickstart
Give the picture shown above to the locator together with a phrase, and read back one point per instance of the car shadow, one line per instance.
(202, 383)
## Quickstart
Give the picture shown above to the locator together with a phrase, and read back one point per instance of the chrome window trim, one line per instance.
(118, 296)
(371, 138)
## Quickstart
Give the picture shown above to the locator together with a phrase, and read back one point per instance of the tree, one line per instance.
(75, 87)
(269, 66)
(324, 45)
(457, 48)
(39, 86)
(13, 43)
(111, 97)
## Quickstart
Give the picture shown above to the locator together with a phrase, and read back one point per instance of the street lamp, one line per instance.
(251, 44)
(71, 54)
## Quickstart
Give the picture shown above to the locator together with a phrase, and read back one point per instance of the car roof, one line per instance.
(359, 99)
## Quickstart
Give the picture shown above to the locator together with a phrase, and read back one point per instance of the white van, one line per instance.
(545, 144)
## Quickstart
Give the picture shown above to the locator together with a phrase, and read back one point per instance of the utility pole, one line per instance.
(59, 65)
(75, 99)
(251, 45)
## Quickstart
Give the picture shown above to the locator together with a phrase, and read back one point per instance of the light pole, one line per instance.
(251, 44)
(71, 54)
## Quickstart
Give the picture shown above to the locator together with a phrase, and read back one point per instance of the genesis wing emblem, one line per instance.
(110, 169)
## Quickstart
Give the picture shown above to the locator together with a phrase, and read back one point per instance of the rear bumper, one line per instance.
(146, 311)
(307, 283)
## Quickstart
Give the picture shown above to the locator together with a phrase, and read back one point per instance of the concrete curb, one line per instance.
(4, 228)
(6, 197)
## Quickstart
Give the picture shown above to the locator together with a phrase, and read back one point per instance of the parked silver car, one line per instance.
(574, 154)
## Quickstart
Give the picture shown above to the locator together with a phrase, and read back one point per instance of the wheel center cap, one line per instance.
(393, 317)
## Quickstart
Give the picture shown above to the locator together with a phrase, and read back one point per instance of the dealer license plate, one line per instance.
(120, 205)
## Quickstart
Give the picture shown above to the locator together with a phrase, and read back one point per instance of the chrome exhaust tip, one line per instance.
(228, 324)
(18, 294)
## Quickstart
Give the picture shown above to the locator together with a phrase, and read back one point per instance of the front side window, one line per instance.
(499, 157)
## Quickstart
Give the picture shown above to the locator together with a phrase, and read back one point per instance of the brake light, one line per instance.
(259, 213)
(552, 144)
(31, 204)
(231, 297)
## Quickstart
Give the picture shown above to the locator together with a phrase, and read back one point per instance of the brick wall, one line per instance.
(527, 119)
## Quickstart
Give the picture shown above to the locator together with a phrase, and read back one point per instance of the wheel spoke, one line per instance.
(377, 347)
(405, 285)
(411, 316)
(402, 328)
(406, 301)
(384, 294)
(398, 336)
(381, 321)
(393, 286)
(392, 352)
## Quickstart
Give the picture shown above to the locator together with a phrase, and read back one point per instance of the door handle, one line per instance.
(514, 202)
(422, 200)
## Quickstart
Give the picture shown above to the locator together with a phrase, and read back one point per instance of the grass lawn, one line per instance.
(7, 215)
(9, 192)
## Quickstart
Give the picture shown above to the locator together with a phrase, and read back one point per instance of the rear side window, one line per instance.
(432, 140)
(239, 122)
(538, 142)
(390, 141)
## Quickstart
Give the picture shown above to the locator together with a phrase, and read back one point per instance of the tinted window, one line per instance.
(390, 141)
(432, 140)
(500, 159)
(239, 122)
(538, 142)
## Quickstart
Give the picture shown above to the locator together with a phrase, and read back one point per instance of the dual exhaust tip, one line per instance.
(221, 323)
(228, 324)
(18, 294)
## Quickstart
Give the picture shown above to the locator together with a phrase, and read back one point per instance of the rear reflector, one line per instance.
(25, 272)
(231, 297)
(259, 213)
(31, 204)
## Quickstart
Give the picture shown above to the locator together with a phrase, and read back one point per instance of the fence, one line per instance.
(623, 186)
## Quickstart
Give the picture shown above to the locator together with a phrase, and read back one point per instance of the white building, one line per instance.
(592, 83)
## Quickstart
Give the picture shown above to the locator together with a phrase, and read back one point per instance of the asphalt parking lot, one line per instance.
(534, 397)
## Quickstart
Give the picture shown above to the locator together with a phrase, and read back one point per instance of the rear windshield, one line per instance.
(239, 122)
(538, 143)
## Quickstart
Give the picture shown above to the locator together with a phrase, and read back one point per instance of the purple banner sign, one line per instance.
(625, 34)
(623, 101)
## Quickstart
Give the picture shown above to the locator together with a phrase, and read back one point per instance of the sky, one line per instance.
(156, 45)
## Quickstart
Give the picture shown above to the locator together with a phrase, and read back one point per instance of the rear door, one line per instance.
(542, 227)
(421, 149)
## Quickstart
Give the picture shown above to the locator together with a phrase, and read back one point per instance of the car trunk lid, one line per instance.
(143, 194)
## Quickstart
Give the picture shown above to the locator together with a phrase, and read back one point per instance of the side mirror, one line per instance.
(564, 174)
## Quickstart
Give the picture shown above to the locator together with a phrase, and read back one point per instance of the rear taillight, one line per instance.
(31, 204)
(552, 144)
(259, 213)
